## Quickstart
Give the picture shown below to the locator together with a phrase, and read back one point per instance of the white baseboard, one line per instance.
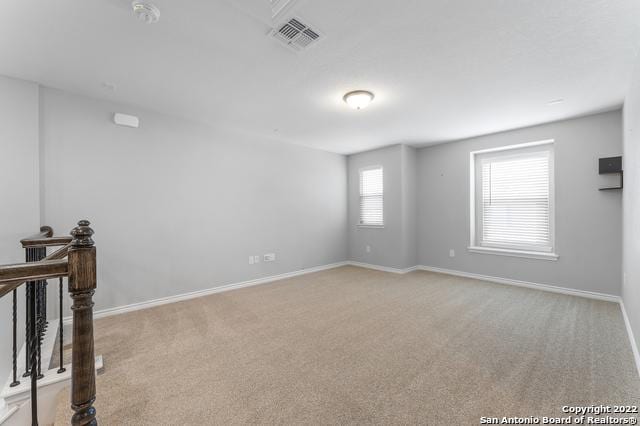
(632, 340)
(382, 268)
(508, 281)
(544, 287)
(102, 313)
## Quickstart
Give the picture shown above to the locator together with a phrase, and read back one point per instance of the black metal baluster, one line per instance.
(35, 320)
(27, 340)
(34, 359)
(39, 304)
(37, 288)
(38, 345)
(61, 337)
(45, 322)
(40, 253)
(15, 381)
(38, 351)
(44, 300)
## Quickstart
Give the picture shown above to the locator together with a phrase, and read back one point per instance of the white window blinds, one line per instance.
(371, 197)
(514, 199)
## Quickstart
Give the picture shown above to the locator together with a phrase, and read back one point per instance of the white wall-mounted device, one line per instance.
(126, 120)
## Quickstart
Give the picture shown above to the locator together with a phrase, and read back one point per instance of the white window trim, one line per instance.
(364, 225)
(514, 253)
(474, 247)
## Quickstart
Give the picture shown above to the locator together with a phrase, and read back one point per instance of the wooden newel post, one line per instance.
(82, 284)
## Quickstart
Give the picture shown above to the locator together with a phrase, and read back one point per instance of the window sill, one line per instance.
(370, 226)
(514, 253)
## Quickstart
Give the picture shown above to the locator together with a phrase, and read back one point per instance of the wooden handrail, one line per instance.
(8, 285)
(45, 232)
(45, 238)
(45, 242)
(33, 271)
(61, 253)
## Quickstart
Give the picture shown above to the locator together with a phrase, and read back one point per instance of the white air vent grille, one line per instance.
(296, 35)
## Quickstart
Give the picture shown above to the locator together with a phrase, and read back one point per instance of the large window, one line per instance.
(512, 200)
(371, 197)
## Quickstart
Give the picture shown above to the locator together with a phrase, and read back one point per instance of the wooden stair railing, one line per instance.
(45, 238)
(80, 269)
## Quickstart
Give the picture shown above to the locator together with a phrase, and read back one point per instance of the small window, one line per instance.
(371, 197)
(512, 204)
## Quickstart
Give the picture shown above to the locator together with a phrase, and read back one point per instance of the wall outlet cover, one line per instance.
(452, 253)
(269, 257)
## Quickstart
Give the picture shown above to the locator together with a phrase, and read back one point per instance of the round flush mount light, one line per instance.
(146, 12)
(358, 99)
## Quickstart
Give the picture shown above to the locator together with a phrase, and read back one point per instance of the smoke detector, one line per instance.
(295, 34)
(146, 12)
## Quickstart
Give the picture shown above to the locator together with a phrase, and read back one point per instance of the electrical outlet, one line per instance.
(256, 259)
(269, 257)
(368, 249)
(250, 260)
(452, 253)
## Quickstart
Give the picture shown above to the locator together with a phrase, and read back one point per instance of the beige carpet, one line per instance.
(355, 346)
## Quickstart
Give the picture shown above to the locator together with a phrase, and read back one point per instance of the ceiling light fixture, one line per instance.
(146, 12)
(358, 99)
(555, 102)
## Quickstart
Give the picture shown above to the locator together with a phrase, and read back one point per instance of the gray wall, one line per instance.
(394, 245)
(588, 224)
(631, 202)
(20, 213)
(179, 207)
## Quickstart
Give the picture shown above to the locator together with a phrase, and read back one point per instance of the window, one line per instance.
(371, 197)
(512, 200)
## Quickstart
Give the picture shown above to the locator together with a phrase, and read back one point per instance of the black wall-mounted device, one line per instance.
(610, 165)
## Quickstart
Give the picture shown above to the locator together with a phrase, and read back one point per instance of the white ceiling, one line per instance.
(441, 69)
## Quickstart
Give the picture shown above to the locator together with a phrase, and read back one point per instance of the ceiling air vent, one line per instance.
(296, 35)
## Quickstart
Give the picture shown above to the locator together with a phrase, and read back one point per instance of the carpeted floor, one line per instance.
(356, 346)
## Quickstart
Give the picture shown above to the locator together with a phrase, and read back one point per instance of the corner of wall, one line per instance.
(41, 159)
(409, 206)
(631, 210)
(395, 245)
